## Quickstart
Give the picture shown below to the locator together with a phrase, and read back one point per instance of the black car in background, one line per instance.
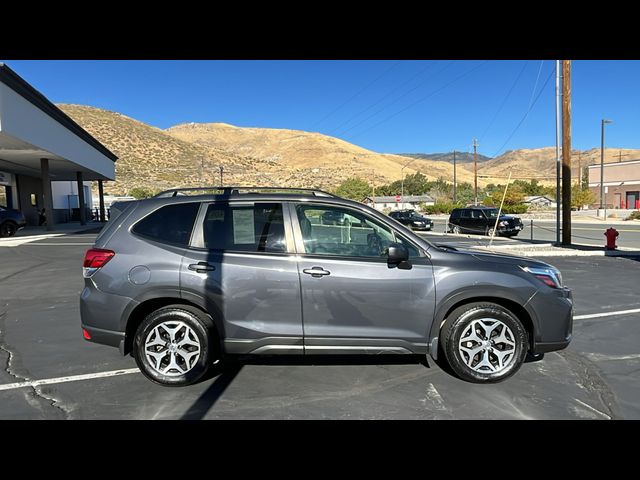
(10, 221)
(482, 221)
(412, 219)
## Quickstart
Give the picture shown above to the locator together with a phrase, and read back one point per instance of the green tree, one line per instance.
(141, 192)
(464, 193)
(581, 196)
(514, 196)
(355, 189)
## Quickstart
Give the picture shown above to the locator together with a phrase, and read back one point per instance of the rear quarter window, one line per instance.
(169, 224)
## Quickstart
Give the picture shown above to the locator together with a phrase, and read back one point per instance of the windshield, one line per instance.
(491, 212)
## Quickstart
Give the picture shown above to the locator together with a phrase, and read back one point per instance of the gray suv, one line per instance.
(182, 282)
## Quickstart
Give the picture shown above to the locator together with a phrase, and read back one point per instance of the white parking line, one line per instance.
(73, 378)
(606, 314)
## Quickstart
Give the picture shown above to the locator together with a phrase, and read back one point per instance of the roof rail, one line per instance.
(237, 191)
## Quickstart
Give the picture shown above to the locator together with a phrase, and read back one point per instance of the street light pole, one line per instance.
(602, 164)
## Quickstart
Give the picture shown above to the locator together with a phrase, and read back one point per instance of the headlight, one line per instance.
(417, 223)
(503, 223)
(550, 276)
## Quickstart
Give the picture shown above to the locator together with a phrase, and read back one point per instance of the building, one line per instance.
(46, 159)
(407, 202)
(621, 184)
(539, 201)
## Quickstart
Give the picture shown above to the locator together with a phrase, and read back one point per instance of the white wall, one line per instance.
(60, 192)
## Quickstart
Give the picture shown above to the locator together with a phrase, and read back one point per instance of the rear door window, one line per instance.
(169, 224)
(245, 228)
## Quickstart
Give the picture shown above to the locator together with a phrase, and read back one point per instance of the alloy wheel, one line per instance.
(172, 348)
(487, 345)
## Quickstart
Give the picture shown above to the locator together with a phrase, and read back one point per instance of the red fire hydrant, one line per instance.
(611, 235)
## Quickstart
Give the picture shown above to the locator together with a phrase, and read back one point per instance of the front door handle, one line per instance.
(202, 267)
(316, 272)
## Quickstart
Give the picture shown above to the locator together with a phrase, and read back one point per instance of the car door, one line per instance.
(352, 300)
(465, 221)
(241, 264)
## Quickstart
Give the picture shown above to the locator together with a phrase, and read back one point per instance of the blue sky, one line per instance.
(386, 106)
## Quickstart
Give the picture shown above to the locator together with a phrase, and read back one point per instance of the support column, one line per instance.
(46, 193)
(83, 210)
(101, 193)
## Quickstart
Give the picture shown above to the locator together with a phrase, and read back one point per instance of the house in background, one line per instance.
(539, 201)
(406, 202)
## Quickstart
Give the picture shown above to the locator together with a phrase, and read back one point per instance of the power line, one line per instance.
(504, 101)
(536, 84)
(383, 98)
(354, 96)
(525, 115)
(396, 100)
(459, 77)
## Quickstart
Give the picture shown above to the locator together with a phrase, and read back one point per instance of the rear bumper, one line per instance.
(103, 314)
(106, 337)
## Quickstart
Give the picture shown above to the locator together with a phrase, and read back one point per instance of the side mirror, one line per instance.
(397, 254)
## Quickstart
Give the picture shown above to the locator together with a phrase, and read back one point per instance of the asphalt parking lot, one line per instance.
(597, 377)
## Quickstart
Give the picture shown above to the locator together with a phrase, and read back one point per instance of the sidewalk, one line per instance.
(60, 229)
(551, 250)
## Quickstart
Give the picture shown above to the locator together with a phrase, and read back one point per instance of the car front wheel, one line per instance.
(174, 346)
(484, 342)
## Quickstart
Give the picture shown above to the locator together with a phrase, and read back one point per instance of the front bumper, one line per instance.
(553, 310)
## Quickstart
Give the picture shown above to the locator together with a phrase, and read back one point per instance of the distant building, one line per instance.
(540, 201)
(408, 201)
(621, 184)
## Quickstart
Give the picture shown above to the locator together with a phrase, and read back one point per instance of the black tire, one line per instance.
(201, 327)
(456, 229)
(8, 229)
(456, 324)
(489, 231)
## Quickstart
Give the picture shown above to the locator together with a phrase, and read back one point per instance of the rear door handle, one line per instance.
(316, 272)
(202, 267)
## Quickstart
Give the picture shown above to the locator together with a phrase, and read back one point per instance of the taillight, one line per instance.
(95, 259)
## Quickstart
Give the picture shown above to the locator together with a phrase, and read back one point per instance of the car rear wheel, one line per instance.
(8, 229)
(455, 229)
(174, 346)
(484, 342)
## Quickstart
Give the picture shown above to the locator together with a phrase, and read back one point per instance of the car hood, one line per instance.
(501, 258)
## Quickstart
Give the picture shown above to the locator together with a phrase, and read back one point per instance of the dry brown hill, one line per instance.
(329, 159)
(540, 163)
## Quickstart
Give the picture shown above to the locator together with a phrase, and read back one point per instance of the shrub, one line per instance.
(440, 207)
(634, 215)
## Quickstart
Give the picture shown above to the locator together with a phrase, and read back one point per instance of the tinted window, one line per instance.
(455, 214)
(169, 224)
(245, 228)
(466, 213)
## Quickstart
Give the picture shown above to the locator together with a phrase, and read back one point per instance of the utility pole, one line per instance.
(221, 170)
(475, 171)
(566, 152)
(557, 152)
(455, 189)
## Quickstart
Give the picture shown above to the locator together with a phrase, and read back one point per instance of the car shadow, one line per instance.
(206, 401)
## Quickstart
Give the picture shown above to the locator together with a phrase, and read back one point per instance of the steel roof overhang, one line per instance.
(31, 127)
